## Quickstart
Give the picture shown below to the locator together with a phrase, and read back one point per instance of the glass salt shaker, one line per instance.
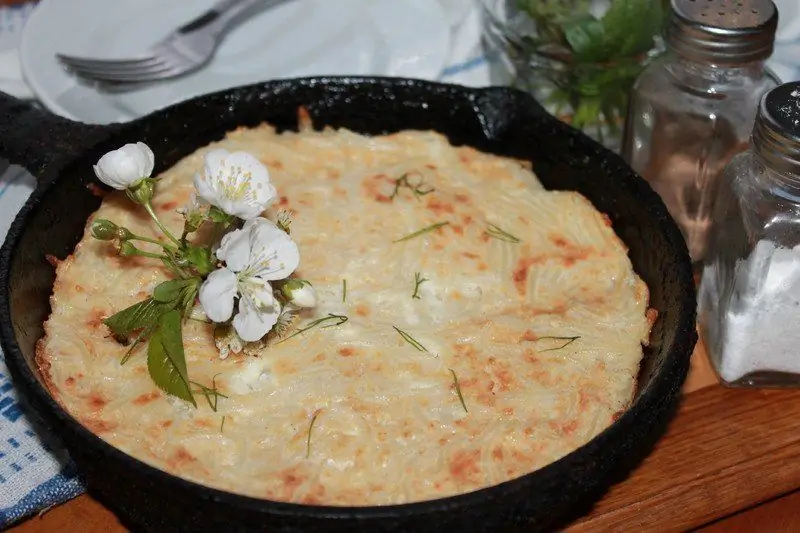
(691, 110)
(749, 298)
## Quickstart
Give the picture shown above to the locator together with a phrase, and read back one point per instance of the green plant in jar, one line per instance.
(585, 55)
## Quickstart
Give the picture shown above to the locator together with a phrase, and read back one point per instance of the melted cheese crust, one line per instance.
(390, 428)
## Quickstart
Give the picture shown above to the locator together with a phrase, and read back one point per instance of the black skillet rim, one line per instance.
(657, 395)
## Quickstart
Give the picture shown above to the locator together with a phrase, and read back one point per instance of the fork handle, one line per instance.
(220, 17)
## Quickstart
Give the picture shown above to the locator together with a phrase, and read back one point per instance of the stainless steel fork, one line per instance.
(185, 50)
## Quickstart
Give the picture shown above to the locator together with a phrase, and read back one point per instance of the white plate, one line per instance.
(409, 38)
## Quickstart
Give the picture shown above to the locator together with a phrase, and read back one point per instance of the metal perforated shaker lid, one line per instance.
(776, 133)
(722, 31)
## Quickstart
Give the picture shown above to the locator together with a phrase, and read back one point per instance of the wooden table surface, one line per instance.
(726, 453)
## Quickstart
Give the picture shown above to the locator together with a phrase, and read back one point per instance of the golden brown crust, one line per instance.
(499, 314)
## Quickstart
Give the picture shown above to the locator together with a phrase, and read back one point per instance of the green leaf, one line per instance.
(166, 360)
(586, 36)
(588, 112)
(141, 337)
(631, 25)
(137, 316)
(199, 257)
(169, 291)
(627, 29)
(220, 217)
(188, 296)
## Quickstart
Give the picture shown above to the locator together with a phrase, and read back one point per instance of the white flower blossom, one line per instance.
(194, 212)
(125, 167)
(258, 253)
(236, 183)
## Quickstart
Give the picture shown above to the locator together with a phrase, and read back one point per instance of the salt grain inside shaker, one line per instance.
(749, 298)
(692, 109)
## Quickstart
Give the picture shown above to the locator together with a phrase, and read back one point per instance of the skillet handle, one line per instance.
(35, 139)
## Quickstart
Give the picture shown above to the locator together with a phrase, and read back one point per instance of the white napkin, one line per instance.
(12, 21)
(11, 81)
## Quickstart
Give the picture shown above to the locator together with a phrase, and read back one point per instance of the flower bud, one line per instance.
(142, 192)
(104, 230)
(123, 234)
(125, 167)
(126, 249)
(299, 293)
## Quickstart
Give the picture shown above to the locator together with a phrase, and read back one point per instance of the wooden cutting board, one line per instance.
(727, 450)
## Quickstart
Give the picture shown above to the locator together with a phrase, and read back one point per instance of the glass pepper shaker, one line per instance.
(692, 108)
(749, 298)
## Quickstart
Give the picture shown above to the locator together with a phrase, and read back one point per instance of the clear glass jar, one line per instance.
(554, 50)
(692, 109)
(749, 297)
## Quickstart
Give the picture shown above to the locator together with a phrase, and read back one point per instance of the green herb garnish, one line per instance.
(588, 64)
(410, 340)
(310, 427)
(458, 390)
(569, 340)
(222, 424)
(423, 231)
(337, 319)
(172, 295)
(418, 190)
(138, 316)
(418, 280)
(497, 233)
(344, 290)
(166, 360)
(211, 394)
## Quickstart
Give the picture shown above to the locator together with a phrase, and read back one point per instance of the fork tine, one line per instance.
(129, 77)
(156, 71)
(105, 65)
(145, 70)
(123, 75)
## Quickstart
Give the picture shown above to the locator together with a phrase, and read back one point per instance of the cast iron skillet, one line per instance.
(503, 121)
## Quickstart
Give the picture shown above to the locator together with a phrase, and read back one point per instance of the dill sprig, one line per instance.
(458, 390)
(344, 291)
(497, 233)
(418, 280)
(569, 340)
(418, 189)
(211, 394)
(310, 427)
(423, 231)
(337, 319)
(222, 424)
(410, 340)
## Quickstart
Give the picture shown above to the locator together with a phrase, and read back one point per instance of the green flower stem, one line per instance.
(142, 253)
(154, 241)
(149, 208)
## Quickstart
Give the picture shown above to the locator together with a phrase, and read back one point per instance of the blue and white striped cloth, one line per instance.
(35, 473)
